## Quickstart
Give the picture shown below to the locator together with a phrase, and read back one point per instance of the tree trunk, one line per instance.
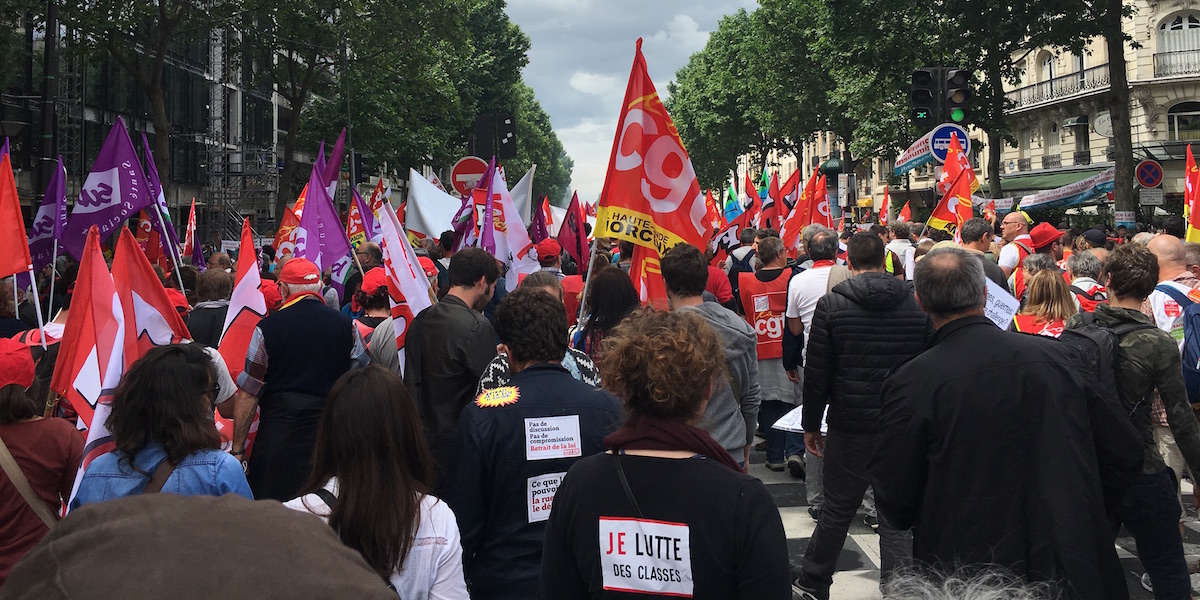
(287, 188)
(162, 133)
(995, 133)
(1119, 110)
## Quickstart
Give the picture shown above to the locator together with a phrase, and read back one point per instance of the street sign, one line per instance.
(1150, 196)
(939, 140)
(466, 174)
(1149, 173)
(843, 188)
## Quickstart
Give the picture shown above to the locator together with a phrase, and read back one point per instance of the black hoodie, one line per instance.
(861, 329)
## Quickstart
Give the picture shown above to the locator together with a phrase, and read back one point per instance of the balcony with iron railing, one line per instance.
(1083, 157)
(1051, 161)
(1095, 78)
(1024, 164)
(1183, 62)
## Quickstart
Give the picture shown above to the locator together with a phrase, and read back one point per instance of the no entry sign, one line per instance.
(466, 174)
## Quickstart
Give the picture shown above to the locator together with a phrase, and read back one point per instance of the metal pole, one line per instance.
(587, 281)
(53, 274)
(37, 305)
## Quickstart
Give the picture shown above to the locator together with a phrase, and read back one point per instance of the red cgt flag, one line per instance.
(1191, 197)
(905, 215)
(798, 218)
(651, 196)
(571, 235)
(646, 273)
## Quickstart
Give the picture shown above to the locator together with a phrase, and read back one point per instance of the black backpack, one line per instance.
(743, 265)
(1097, 346)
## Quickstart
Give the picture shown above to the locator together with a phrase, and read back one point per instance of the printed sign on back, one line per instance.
(541, 495)
(552, 437)
(647, 557)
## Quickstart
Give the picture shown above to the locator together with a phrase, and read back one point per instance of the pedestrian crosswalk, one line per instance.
(857, 577)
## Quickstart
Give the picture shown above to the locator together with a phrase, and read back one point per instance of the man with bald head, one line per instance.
(220, 260)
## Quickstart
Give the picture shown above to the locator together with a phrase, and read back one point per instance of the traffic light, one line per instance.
(925, 97)
(957, 86)
(506, 137)
(360, 168)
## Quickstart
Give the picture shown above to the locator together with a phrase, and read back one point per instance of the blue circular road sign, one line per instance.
(939, 140)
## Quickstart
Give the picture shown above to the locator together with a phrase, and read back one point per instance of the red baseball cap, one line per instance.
(271, 295)
(299, 271)
(16, 363)
(1045, 234)
(427, 265)
(548, 248)
(374, 279)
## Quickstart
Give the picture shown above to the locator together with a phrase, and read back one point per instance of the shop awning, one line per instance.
(1032, 182)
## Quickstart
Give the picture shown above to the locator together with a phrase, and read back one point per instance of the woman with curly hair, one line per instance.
(666, 510)
(610, 297)
(162, 425)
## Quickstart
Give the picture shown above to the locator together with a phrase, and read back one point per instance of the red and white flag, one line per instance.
(407, 284)
(150, 317)
(14, 248)
(905, 215)
(91, 356)
(246, 308)
(887, 208)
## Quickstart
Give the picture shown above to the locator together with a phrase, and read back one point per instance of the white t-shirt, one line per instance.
(1168, 315)
(1010, 253)
(224, 381)
(803, 292)
(433, 569)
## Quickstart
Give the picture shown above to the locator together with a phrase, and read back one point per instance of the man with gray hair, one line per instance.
(1083, 271)
(1057, 452)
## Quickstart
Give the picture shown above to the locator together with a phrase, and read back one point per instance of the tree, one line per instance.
(139, 37)
(537, 144)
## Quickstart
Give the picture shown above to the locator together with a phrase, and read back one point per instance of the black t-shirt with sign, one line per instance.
(705, 531)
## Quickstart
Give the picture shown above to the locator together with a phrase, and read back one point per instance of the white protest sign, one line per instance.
(791, 421)
(1001, 306)
(541, 495)
(552, 437)
(640, 556)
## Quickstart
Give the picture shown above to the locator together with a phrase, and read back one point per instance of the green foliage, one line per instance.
(537, 144)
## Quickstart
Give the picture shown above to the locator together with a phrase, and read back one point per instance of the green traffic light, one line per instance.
(958, 115)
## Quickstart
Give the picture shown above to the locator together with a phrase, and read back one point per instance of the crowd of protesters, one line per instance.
(561, 441)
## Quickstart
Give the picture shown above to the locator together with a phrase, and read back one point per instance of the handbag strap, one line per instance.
(159, 478)
(17, 476)
(616, 454)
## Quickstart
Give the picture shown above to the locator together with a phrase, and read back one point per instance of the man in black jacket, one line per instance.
(861, 329)
(516, 442)
(996, 447)
(447, 348)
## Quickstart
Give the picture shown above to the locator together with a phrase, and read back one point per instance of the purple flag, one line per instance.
(4, 150)
(320, 164)
(198, 257)
(370, 225)
(329, 174)
(487, 233)
(50, 220)
(114, 191)
(169, 239)
(537, 228)
(320, 237)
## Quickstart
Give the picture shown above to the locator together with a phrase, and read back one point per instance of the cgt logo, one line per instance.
(769, 324)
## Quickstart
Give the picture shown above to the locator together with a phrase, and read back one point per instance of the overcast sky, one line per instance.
(580, 56)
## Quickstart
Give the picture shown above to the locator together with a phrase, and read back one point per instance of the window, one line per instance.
(1023, 143)
(1183, 121)
(1052, 140)
(1078, 64)
(1046, 67)
(1179, 34)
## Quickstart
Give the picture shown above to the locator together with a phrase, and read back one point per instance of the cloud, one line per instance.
(591, 83)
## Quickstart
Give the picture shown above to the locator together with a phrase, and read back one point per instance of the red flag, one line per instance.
(955, 207)
(989, 210)
(771, 218)
(887, 208)
(956, 162)
(355, 230)
(189, 235)
(150, 317)
(905, 215)
(651, 196)
(799, 218)
(711, 213)
(646, 273)
(729, 238)
(571, 235)
(1191, 197)
(14, 248)
(789, 188)
(246, 308)
(91, 353)
(755, 207)
(818, 205)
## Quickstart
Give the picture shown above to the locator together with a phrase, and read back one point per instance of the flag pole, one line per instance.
(587, 268)
(37, 305)
(53, 276)
(175, 257)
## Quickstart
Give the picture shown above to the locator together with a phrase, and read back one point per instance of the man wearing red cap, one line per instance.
(1045, 239)
(550, 256)
(310, 346)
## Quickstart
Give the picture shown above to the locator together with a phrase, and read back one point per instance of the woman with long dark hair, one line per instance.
(162, 425)
(672, 512)
(610, 297)
(371, 481)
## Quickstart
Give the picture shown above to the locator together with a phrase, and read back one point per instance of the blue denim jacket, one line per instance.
(203, 473)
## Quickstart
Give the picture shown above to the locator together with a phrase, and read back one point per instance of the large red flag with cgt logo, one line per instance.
(651, 196)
